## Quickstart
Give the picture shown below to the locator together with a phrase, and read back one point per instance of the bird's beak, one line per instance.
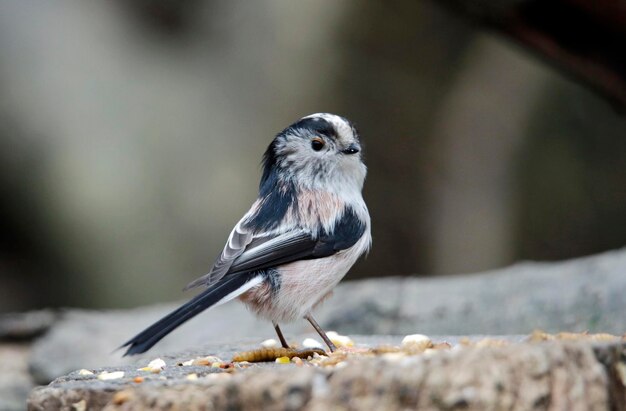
(351, 149)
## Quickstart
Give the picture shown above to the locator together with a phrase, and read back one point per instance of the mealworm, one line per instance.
(270, 354)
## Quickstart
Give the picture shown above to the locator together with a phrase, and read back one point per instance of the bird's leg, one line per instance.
(280, 336)
(321, 332)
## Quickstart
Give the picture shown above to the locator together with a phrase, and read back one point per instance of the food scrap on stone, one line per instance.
(114, 375)
(283, 360)
(271, 354)
(269, 343)
(155, 366)
(339, 340)
(208, 360)
(539, 335)
(417, 340)
(311, 343)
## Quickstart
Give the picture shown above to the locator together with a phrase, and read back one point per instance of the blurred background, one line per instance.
(131, 134)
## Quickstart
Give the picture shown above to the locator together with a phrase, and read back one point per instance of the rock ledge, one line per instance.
(553, 375)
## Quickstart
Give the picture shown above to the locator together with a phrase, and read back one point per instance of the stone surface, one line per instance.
(553, 375)
(587, 294)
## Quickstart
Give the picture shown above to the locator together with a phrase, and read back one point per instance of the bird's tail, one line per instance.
(228, 288)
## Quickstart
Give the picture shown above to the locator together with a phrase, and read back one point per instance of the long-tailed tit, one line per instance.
(300, 237)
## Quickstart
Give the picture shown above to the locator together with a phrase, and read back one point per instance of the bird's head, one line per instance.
(319, 151)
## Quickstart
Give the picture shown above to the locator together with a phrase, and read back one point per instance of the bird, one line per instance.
(306, 229)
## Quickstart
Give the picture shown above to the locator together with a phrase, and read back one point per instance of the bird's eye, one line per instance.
(317, 143)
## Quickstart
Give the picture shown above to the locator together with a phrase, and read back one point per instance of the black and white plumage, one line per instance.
(306, 229)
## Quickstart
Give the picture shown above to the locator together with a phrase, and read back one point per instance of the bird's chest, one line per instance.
(297, 287)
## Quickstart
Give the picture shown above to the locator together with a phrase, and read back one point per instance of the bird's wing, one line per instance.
(237, 242)
(257, 254)
(247, 251)
(300, 244)
(280, 249)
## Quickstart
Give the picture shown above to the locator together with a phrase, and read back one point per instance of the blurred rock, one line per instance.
(585, 294)
(576, 295)
(26, 326)
(15, 380)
